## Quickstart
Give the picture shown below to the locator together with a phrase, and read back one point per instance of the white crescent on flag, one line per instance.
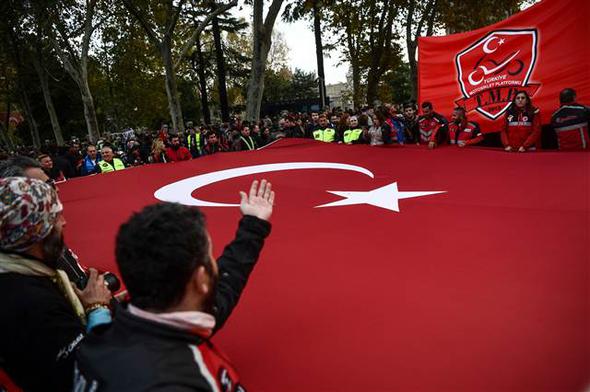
(385, 197)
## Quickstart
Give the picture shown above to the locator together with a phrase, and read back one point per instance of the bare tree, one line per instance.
(261, 42)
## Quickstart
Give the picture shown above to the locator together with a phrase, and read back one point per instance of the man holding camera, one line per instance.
(180, 296)
(43, 315)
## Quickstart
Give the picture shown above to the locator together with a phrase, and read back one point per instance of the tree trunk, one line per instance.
(319, 53)
(256, 82)
(219, 57)
(262, 29)
(203, 84)
(89, 112)
(31, 123)
(372, 86)
(42, 74)
(6, 131)
(413, 68)
(79, 73)
(356, 85)
(171, 88)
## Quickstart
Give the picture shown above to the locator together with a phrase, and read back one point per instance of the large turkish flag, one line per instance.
(542, 50)
(484, 287)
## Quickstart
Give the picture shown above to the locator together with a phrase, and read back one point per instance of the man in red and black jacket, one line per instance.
(176, 152)
(462, 132)
(180, 296)
(570, 122)
(433, 126)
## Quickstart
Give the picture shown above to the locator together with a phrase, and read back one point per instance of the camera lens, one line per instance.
(112, 282)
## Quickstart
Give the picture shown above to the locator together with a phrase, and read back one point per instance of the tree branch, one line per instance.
(193, 38)
(425, 15)
(65, 60)
(149, 30)
(174, 19)
(88, 29)
(430, 28)
(271, 16)
(73, 56)
(410, 21)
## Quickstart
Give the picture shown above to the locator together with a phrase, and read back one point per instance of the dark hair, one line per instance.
(16, 166)
(379, 116)
(157, 251)
(567, 95)
(529, 105)
(460, 109)
(427, 105)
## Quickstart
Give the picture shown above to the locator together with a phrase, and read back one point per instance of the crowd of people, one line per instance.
(385, 124)
(79, 337)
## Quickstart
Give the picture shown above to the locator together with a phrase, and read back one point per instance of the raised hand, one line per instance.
(259, 201)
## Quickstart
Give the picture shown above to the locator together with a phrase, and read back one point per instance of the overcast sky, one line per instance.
(301, 43)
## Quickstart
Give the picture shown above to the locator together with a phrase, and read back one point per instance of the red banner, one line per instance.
(390, 285)
(542, 50)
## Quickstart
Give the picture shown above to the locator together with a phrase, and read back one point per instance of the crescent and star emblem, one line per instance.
(386, 197)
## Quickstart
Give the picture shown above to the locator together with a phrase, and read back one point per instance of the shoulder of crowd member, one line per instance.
(475, 126)
(440, 118)
(45, 313)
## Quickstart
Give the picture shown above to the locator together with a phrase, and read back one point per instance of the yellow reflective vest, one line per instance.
(106, 167)
(327, 135)
(352, 135)
(197, 138)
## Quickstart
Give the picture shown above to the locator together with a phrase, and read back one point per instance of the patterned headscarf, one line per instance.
(28, 211)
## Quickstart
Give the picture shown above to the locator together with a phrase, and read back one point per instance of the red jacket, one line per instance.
(521, 129)
(570, 123)
(467, 132)
(182, 154)
(429, 128)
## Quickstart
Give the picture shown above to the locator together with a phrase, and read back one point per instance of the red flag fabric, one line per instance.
(541, 50)
(482, 287)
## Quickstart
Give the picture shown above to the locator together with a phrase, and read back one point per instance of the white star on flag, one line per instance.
(387, 197)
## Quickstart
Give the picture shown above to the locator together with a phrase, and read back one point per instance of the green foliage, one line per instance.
(465, 15)
(284, 85)
(128, 82)
(396, 86)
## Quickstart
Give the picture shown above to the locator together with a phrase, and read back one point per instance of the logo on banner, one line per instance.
(495, 68)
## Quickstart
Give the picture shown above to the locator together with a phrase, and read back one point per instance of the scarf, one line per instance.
(13, 263)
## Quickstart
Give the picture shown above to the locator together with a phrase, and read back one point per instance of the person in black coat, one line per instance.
(42, 315)
(180, 296)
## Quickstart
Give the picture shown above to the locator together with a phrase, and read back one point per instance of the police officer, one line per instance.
(324, 133)
(109, 163)
(194, 140)
(353, 134)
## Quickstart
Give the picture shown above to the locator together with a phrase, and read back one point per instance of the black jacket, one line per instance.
(38, 333)
(134, 354)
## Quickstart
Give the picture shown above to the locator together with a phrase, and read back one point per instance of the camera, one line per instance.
(68, 262)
